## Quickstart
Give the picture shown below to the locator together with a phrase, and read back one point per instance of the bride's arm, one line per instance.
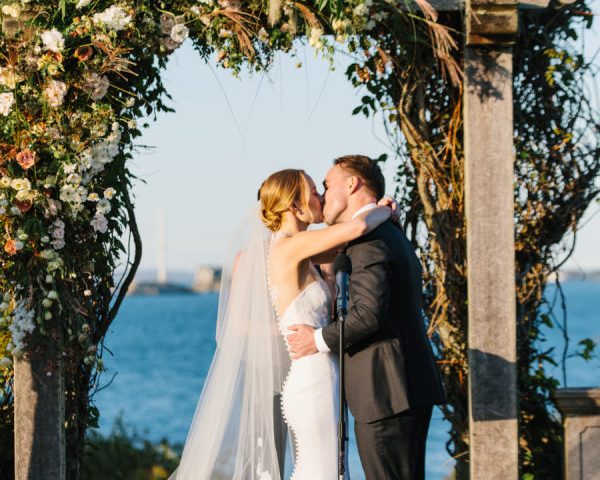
(309, 243)
(329, 255)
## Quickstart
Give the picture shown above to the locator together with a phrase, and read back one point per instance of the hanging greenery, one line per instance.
(556, 135)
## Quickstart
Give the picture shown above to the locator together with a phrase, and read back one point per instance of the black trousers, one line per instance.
(394, 448)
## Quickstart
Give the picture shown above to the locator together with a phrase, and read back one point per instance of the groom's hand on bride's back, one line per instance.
(302, 341)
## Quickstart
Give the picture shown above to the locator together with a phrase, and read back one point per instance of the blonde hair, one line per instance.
(279, 192)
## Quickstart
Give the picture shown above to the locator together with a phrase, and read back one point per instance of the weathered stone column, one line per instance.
(489, 205)
(580, 408)
(39, 419)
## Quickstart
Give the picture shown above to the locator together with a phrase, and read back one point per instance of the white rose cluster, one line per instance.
(55, 93)
(176, 32)
(93, 159)
(7, 100)
(96, 85)
(22, 324)
(53, 40)
(113, 18)
(57, 230)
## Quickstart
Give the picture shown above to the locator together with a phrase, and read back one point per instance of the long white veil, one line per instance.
(237, 431)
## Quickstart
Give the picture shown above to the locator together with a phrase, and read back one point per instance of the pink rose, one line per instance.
(26, 158)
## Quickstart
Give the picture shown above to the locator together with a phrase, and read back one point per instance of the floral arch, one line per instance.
(74, 77)
(76, 74)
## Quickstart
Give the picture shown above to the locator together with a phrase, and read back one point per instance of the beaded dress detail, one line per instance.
(309, 397)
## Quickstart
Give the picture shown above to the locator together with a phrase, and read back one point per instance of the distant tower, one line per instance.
(162, 247)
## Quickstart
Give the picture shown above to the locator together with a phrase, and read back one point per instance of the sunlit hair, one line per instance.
(365, 168)
(279, 192)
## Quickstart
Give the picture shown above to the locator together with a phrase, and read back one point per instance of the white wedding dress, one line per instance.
(237, 429)
(309, 399)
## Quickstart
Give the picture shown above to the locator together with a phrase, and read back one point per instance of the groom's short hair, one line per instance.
(365, 168)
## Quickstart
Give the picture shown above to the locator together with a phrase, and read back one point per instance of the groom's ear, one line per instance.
(354, 183)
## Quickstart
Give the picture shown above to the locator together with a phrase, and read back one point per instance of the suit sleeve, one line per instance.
(369, 295)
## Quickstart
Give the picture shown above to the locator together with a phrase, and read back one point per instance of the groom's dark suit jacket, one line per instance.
(389, 362)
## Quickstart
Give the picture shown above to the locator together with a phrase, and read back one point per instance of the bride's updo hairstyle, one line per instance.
(278, 193)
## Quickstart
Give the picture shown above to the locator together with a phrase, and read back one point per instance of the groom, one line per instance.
(391, 379)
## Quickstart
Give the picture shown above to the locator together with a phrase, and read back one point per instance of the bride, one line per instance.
(254, 392)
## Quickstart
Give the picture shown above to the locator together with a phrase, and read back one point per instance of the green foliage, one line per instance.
(126, 455)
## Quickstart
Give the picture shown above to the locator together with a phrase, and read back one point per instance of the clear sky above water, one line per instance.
(227, 135)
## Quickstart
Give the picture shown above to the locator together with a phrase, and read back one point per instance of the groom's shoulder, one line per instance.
(387, 237)
(375, 240)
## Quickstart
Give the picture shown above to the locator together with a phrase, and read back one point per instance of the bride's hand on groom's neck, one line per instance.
(388, 201)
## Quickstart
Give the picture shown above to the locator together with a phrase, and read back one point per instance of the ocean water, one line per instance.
(162, 348)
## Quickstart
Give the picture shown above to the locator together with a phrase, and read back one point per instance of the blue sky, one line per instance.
(227, 135)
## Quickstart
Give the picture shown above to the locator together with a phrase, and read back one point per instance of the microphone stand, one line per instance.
(342, 267)
(342, 427)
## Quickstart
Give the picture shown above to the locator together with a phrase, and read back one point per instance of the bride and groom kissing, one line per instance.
(274, 374)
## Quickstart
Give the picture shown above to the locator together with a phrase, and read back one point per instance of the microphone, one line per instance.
(342, 267)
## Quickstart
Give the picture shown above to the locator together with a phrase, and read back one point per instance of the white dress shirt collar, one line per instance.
(368, 206)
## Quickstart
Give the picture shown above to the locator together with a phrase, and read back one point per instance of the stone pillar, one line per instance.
(39, 419)
(489, 207)
(580, 408)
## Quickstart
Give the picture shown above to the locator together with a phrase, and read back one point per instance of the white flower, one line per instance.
(167, 22)
(96, 85)
(5, 182)
(58, 223)
(46, 302)
(179, 33)
(53, 295)
(22, 324)
(3, 306)
(67, 193)
(55, 93)
(5, 362)
(109, 193)
(74, 178)
(130, 102)
(361, 10)
(103, 206)
(20, 184)
(7, 100)
(9, 78)
(83, 3)
(47, 315)
(69, 168)
(99, 223)
(315, 38)
(87, 293)
(13, 10)
(58, 233)
(47, 254)
(263, 35)
(114, 18)
(53, 206)
(14, 210)
(131, 123)
(53, 40)
(18, 245)
(93, 197)
(45, 239)
(169, 44)
(26, 195)
(48, 278)
(58, 243)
